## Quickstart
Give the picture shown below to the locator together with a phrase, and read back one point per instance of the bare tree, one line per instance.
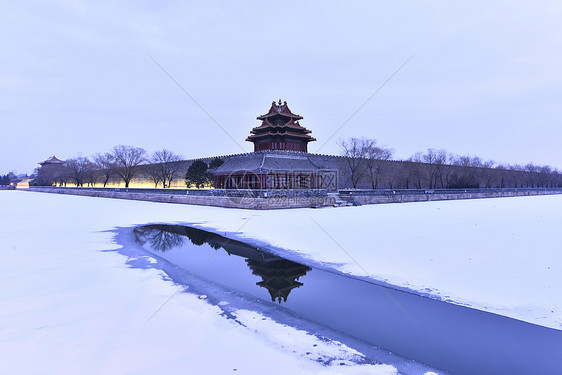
(105, 163)
(376, 159)
(77, 169)
(435, 161)
(354, 152)
(504, 176)
(165, 166)
(545, 176)
(447, 170)
(417, 171)
(128, 161)
(92, 175)
(401, 176)
(465, 173)
(154, 174)
(532, 175)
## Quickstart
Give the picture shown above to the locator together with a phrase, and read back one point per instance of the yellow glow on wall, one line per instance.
(144, 184)
(23, 184)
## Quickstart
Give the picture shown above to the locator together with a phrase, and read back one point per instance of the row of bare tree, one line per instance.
(367, 165)
(370, 165)
(123, 163)
(365, 159)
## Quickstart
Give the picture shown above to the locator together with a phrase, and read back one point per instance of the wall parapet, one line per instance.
(369, 192)
(262, 200)
(278, 199)
(412, 195)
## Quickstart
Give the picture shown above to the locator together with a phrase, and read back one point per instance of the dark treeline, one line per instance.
(124, 164)
(6, 180)
(369, 166)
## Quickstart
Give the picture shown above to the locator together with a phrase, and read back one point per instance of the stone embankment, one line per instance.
(402, 196)
(278, 200)
(198, 197)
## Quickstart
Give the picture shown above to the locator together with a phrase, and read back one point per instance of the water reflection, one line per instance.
(455, 338)
(279, 276)
(158, 239)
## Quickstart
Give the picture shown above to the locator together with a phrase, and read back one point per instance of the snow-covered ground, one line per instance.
(67, 307)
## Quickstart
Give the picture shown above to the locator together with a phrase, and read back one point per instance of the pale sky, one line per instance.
(76, 77)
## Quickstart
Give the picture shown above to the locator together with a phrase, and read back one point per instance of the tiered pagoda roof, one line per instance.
(278, 109)
(280, 124)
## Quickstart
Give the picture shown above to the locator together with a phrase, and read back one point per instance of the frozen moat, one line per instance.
(453, 338)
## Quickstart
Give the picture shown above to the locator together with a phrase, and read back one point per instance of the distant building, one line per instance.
(53, 160)
(51, 172)
(280, 159)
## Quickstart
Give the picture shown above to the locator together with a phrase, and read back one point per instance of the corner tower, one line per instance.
(280, 130)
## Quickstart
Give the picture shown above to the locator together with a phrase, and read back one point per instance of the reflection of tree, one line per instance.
(158, 239)
(162, 237)
(197, 237)
(279, 277)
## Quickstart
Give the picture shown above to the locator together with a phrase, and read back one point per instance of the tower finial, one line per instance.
(279, 101)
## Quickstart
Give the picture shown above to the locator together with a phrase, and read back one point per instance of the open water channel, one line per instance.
(455, 339)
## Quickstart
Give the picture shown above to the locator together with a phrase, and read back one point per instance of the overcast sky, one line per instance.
(77, 77)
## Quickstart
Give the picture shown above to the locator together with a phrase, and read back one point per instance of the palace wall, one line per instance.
(393, 175)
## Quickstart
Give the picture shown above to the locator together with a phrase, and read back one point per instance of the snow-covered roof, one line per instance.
(267, 161)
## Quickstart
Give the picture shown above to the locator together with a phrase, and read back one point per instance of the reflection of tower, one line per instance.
(279, 277)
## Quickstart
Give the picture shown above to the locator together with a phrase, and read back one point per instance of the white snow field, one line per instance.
(68, 307)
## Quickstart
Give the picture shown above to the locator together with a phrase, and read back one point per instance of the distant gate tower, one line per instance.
(280, 130)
